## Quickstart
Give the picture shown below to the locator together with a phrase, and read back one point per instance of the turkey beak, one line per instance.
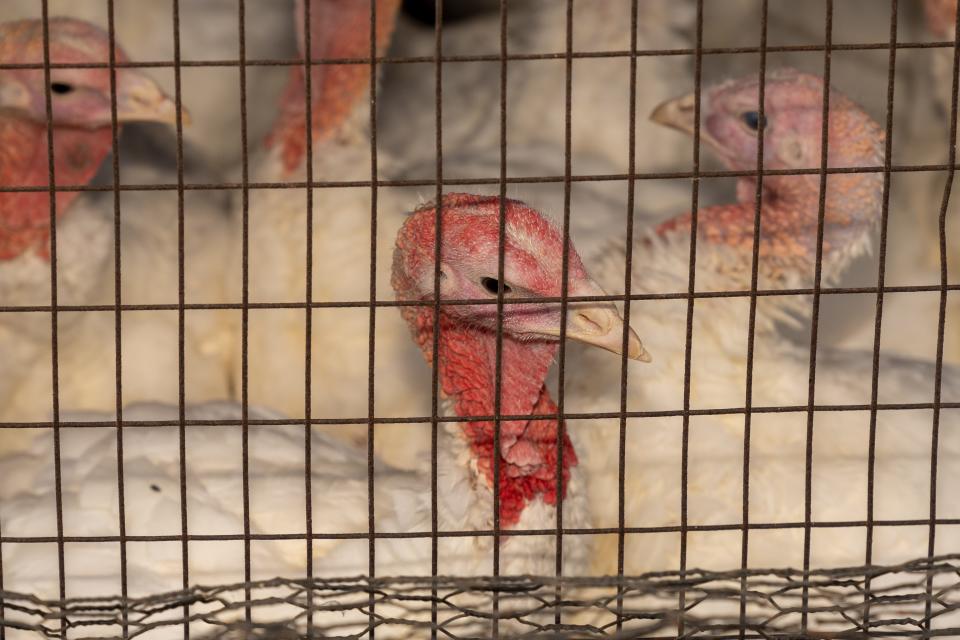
(679, 113)
(599, 324)
(140, 99)
(14, 96)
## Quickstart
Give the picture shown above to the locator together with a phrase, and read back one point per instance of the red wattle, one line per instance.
(528, 448)
(25, 215)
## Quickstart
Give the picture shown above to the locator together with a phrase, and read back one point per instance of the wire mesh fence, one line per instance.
(857, 602)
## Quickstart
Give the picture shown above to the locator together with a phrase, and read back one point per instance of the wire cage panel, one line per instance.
(717, 472)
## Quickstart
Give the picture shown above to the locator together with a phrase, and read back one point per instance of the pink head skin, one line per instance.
(792, 141)
(532, 269)
(941, 17)
(338, 29)
(81, 112)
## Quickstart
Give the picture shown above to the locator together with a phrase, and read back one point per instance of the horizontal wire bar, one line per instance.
(666, 413)
(616, 53)
(479, 533)
(611, 177)
(348, 304)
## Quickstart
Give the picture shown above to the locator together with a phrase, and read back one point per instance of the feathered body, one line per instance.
(530, 472)
(341, 244)
(536, 89)
(921, 86)
(148, 242)
(778, 440)
(775, 457)
(215, 506)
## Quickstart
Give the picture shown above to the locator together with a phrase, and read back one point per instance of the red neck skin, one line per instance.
(528, 448)
(732, 224)
(789, 212)
(25, 216)
(338, 30)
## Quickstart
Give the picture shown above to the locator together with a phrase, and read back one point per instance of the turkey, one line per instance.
(148, 242)
(921, 136)
(209, 32)
(778, 440)
(277, 241)
(467, 356)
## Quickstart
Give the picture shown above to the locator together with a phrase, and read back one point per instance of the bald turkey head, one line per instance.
(467, 358)
(80, 115)
(792, 129)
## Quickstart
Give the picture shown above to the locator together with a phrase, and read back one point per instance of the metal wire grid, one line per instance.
(776, 599)
(691, 295)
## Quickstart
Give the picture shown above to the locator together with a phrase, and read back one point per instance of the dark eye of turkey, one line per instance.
(492, 285)
(754, 121)
(61, 88)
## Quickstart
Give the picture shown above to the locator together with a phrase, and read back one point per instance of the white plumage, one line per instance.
(215, 506)
(536, 89)
(719, 462)
(777, 444)
(340, 271)
(148, 245)
(271, 497)
(149, 339)
(341, 257)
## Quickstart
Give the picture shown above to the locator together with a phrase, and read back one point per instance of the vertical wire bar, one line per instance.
(691, 289)
(308, 309)
(54, 314)
(245, 306)
(878, 319)
(181, 321)
(564, 292)
(815, 316)
(627, 286)
(752, 323)
(435, 371)
(117, 314)
(371, 358)
(942, 318)
(498, 370)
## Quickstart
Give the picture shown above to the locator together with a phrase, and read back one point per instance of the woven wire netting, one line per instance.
(914, 599)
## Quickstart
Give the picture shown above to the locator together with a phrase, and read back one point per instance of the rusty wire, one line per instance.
(798, 604)
(835, 603)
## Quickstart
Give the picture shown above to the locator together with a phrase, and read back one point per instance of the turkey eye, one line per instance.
(492, 285)
(61, 88)
(753, 120)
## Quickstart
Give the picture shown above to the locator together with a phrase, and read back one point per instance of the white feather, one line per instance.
(215, 507)
(778, 440)
(86, 339)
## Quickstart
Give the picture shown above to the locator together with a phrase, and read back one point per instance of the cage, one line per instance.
(214, 421)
